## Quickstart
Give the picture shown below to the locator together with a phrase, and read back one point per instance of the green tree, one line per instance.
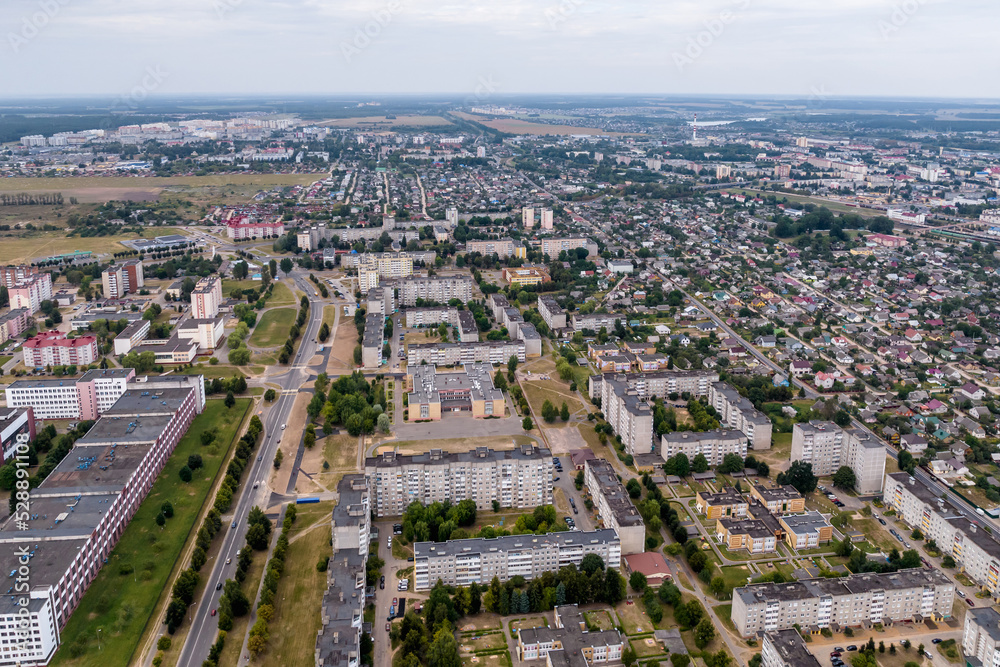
(844, 478)
(286, 265)
(185, 474)
(637, 581)
(230, 399)
(270, 395)
(699, 463)
(443, 651)
(704, 633)
(564, 412)
(526, 423)
(549, 411)
(799, 475)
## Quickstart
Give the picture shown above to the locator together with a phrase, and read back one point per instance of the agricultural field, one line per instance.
(381, 122)
(17, 248)
(516, 126)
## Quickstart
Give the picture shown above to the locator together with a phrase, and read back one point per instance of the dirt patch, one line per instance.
(564, 440)
(291, 439)
(342, 349)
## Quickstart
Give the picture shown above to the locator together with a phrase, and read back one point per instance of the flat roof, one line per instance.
(477, 545)
(792, 648)
(614, 493)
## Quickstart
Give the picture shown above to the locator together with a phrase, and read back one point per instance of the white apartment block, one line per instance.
(516, 478)
(630, 416)
(614, 507)
(553, 246)
(546, 218)
(845, 602)
(658, 383)
(456, 354)
(713, 444)
(432, 316)
(438, 289)
(50, 399)
(786, 648)
(976, 551)
(206, 298)
(387, 265)
(595, 321)
(738, 412)
(828, 447)
(552, 314)
(461, 562)
(981, 637)
(501, 247)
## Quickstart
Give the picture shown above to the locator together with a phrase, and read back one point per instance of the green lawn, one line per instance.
(229, 285)
(121, 605)
(272, 330)
(281, 296)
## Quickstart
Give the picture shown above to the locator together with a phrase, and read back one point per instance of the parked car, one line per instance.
(835, 654)
(960, 592)
(839, 649)
(852, 647)
(388, 626)
(881, 521)
(936, 640)
(970, 602)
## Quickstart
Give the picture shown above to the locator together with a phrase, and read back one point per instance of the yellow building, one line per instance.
(727, 503)
(430, 394)
(524, 276)
(778, 500)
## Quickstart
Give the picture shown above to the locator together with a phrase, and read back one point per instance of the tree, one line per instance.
(383, 422)
(717, 587)
(844, 478)
(230, 399)
(731, 463)
(906, 462)
(286, 265)
(704, 633)
(160, 520)
(800, 476)
(526, 423)
(637, 581)
(591, 563)
(167, 510)
(634, 488)
(257, 537)
(443, 651)
(549, 411)
(699, 463)
(564, 412)
(185, 474)
(948, 562)
(270, 395)
(194, 461)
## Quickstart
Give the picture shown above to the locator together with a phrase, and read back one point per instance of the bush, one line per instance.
(185, 474)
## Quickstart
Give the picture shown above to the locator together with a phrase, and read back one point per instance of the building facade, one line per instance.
(430, 394)
(738, 412)
(206, 298)
(713, 444)
(456, 354)
(981, 637)
(786, 648)
(828, 447)
(437, 289)
(569, 643)
(53, 348)
(614, 507)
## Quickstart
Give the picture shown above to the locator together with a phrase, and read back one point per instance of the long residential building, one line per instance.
(713, 444)
(342, 612)
(79, 512)
(658, 383)
(786, 648)
(430, 316)
(595, 321)
(849, 601)
(373, 340)
(462, 562)
(828, 447)
(456, 354)
(436, 289)
(614, 507)
(629, 415)
(976, 551)
(553, 246)
(503, 248)
(53, 348)
(516, 478)
(569, 643)
(736, 411)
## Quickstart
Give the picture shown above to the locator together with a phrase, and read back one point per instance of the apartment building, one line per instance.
(11, 275)
(121, 279)
(553, 246)
(546, 219)
(430, 316)
(454, 354)
(629, 415)
(338, 641)
(528, 217)
(848, 601)
(431, 394)
(81, 509)
(786, 648)
(713, 444)
(502, 248)
(461, 562)
(660, 383)
(569, 643)
(725, 503)
(13, 323)
(552, 314)
(737, 412)
(517, 478)
(373, 341)
(131, 336)
(778, 499)
(31, 291)
(594, 321)
(53, 348)
(86, 397)
(206, 298)
(15, 422)
(828, 447)
(981, 637)
(247, 228)
(976, 551)
(205, 333)
(386, 265)
(468, 329)
(614, 507)
(436, 289)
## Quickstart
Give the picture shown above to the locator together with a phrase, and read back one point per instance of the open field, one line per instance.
(293, 633)
(515, 126)
(381, 122)
(85, 187)
(281, 295)
(272, 330)
(24, 248)
(229, 285)
(836, 207)
(340, 451)
(121, 609)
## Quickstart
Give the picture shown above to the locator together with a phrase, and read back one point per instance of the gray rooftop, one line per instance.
(792, 648)
(614, 493)
(476, 545)
(852, 584)
(439, 457)
(809, 522)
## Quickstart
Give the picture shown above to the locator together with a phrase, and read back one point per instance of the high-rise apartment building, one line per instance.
(786, 648)
(206, 298)
(713, 444)
(828, 447)
(736, 411)
(31, 291)
(614, 507)
(515, 478)
(120, 279)
(546, 219)
(437, 289)
(981, 637)
(528, 217)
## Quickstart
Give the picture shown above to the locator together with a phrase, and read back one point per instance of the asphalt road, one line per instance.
(204, 625)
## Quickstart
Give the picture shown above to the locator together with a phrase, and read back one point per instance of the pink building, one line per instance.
(53, 348)
(13, 323)
(30, 292)
(247, 228)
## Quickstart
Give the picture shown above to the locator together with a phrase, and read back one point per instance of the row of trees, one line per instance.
(294, 331)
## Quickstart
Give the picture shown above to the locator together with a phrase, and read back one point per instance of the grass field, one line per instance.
(68, 183)
(836, 207)
(370, 122)
(516, 126)
(272, 330)
(281, 295)
(24, 248)
(121, 604)
(341, 451)
(229, 285)
(300, 592)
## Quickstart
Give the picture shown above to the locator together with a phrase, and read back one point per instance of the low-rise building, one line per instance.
(206, 333)
(524, 275)
(614, 507)
(779, 499)
(569, 643)
(131, 336)
(461, 562)
(753, 535)
(430, 394)
(726, 503)
(805, 531)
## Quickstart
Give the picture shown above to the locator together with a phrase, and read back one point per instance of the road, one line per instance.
(204, 625)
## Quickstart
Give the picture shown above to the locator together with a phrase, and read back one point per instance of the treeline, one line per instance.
(294, 332)
(31, 199)
(440, 522)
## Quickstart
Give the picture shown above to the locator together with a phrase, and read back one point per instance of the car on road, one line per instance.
(234, 524)
(218, 586)
(970, 602)
(213, 612)
(555, 479)
(960, 592)
(388, 626)
(881, 521)
(852, 647)
(228, 561)
(395, 601)
(381, 584)
(283, 426)
(936, 640)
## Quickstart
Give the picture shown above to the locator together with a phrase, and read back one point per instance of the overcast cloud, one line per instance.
(938, 48)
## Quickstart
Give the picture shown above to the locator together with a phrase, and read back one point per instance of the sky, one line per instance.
(483, 48)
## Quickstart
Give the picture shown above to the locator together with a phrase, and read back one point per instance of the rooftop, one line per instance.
(476, 545)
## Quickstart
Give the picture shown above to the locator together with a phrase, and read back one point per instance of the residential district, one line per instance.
(455, 394)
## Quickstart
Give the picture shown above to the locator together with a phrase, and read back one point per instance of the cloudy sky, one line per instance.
(924, 48)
